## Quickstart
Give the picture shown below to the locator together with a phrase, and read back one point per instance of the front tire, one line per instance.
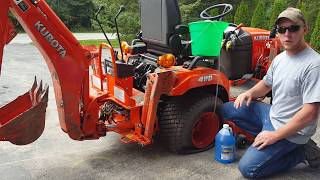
(189, 123)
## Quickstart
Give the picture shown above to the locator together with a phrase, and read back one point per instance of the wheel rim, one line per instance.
(204, 131)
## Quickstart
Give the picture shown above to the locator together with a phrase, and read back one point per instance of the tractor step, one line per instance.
(127, 139)
(133, 137)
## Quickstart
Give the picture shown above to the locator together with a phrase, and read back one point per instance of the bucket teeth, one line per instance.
(34, 85)
(22, 121)
(45, 93)
(36, 92)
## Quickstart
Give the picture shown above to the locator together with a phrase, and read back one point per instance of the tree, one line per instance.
(310, 10)
(292, 3)
(228, 18)
(76, 14)
(277, 7)
(252, 4)
(242, 14)
(315, 42)
(260, 17)
(128, 21)
(188, 12)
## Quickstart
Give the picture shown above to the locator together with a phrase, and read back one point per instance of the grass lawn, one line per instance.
(97, 42)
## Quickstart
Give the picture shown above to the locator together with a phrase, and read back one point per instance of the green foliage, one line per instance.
(188, 12)
(228, 18)
(259, 15)
(303, 7)
(292, 3)
(76, 14)
(242, 14)
(128, 21)
(15, 23)
(315, 42)
(277, 7)
(310, 10)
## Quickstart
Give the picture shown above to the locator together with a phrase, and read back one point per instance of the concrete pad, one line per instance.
(55, 156)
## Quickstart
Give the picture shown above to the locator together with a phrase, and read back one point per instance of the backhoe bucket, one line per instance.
(22, 120)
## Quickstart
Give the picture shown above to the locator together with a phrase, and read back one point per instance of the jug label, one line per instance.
(227, 152)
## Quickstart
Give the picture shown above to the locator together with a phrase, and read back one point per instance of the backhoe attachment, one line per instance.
(22, 120)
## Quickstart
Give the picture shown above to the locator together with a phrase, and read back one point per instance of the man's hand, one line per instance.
(246, 96)
(264, 139)
(259, 90)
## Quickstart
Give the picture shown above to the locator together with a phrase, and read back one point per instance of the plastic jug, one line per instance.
(225, 147)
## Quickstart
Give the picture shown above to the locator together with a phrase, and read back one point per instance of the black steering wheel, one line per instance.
(227, 8)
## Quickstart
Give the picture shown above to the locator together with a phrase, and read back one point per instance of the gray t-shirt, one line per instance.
(295, 81)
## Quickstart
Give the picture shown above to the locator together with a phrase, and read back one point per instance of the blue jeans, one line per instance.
(278, 157)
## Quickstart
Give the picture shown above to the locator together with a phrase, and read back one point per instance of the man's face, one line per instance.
(291, 38)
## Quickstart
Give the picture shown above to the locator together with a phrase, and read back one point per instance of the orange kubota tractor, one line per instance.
(153, 86)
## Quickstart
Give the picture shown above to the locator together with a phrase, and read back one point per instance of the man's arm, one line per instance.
(301, 119)
(259, 90)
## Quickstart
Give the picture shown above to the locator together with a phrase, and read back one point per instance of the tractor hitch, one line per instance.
(22, 121)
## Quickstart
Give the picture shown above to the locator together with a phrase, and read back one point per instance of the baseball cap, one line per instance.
(294, 14)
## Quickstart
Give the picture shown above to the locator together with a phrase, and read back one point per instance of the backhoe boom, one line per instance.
(67, 60)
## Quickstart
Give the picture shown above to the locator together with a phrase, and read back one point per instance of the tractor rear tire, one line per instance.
(188, 124)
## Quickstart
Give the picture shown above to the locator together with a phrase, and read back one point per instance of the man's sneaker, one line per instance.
(312, 154)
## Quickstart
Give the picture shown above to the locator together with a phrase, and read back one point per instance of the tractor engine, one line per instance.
(144, 64)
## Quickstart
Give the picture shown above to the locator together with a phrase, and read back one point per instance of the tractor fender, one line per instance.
(198, 78)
